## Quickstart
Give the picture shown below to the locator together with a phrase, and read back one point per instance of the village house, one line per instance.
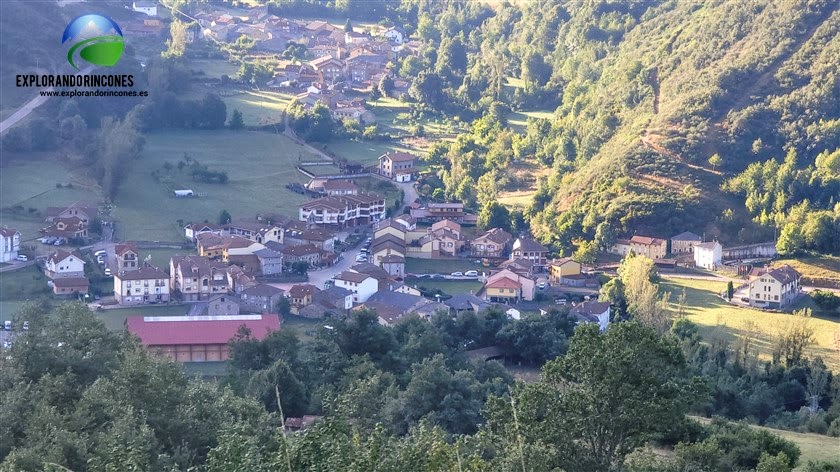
(390, 306)
(653, 248)
(331, 301)
(563, 267)
(66, 227)
(301, 295)
(70, 286)
(63, 263)
(321, 237)
(359, 114)
(141, 286)
(393, 264)
(271, 262)
(520, 266)
(84, 211)
(443, 240)
(466, 303)
(197, 338)
(329, 69)
(621, 247)
(309, 253)
(146, 7)
(395, 35)
(362, 285)
(442, 211)
(218, 305)
(684, 242)
(493, 243)
(193, 230)
(261, 298)
(526, 248)
(385, 246)
(193, 278)
(708, 255)
(592, 312)
(398, 166)
(339, 187)
(507, 286)
(9, 244)
(353, 38)
(256, 231)
(774, 288)
(126, 257)
(344, 211)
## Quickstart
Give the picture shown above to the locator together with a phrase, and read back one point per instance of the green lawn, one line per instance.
(365, 152)
(815, 267)
(441, 266)
(18, 287)
(720, 320)
(31, 182)
(304, 328)
(450, 287)
(258, 164)
(814, 447)
(518, 119)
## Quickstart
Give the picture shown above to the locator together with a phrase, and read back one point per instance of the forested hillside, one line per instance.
(655, 105)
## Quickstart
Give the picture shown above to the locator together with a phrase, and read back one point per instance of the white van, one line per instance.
(471, 273)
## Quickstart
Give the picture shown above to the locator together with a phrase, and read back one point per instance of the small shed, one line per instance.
(184, 193)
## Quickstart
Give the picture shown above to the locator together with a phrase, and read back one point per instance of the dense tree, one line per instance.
(224, 217)
(236, 122)
(494, 215)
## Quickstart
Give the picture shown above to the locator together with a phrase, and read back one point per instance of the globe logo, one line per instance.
(98, 40)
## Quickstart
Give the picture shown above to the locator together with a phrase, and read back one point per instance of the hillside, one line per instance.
(669, 87)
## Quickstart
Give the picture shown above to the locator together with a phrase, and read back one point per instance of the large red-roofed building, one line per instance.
(197, 338)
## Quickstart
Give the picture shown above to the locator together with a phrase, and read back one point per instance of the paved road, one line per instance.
(30, 106)
(15, 265)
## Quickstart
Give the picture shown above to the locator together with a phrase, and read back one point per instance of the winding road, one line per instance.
(30, 106)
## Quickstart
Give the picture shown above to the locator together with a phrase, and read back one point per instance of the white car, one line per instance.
(471, 273)
(457, 274)
(542, 285)
(100, 253)
(108, 271)
(22, 258)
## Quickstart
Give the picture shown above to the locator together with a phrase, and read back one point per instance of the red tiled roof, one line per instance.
(504, 282)
(199, 330)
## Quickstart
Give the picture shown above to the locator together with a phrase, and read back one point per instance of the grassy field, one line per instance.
(815, 267)
(440, 266)
(720, 320)
(18, 287)
(451, 287)
(365, 152)
(258, 165)
(32, 183)
(814, 447)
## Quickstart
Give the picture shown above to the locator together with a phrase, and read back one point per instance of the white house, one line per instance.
(146, 7)
(774, 288)
(592, 312)
(62, 263)
(394, 35)
(708, 255)
(141, 286)
(362, 285)
(9, 244)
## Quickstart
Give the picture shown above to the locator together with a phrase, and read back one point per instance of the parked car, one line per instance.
(471, 273)
(560, 301)
(457, 274)
(436, 276)
(745, 299)
(7, 325)
(542, 285)
(26, 326)
(100, 253)
(108, 271)
(22, 258)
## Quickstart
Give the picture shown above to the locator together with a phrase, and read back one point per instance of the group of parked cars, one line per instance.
(363, 254)
(53, 241)
(102, 260)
